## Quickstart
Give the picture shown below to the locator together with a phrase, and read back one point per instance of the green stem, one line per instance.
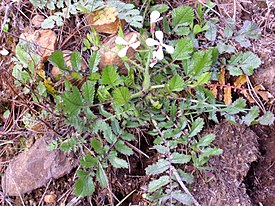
(146, 81)
(135, 64)
(136, 95)
(157, 86)
(146, 86)
(141, 93)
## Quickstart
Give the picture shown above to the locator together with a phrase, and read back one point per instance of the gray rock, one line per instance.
(34, 168)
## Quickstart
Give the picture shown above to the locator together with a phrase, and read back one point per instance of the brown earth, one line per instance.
(243, 175)
(261, 178)
(240, 149)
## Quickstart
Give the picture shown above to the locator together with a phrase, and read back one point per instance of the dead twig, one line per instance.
(183, 186)
(41, 200)
(254, 96)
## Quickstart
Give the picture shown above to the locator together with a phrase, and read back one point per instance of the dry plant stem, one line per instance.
(234, 10)
(4, 21)
(16, 189)
(183, 186)
(74, 201)
(62, 28)
(22, 13)
(125, 198)
(137, 150)
(258, 101)
(209, 8)
(64, 194)
(4, 199)
(34, 112)
(71, 35)
(42, 198)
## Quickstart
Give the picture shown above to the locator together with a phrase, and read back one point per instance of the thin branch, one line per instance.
(184, 187)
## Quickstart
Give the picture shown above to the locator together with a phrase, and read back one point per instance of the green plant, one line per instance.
(164, 93)
(64, 9)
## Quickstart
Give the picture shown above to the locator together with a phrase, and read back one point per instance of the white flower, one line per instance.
(155, 17)
(159, 53)
(153, 62)
(133, 43)
(4, 52)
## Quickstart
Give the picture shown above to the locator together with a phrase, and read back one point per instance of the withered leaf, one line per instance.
(227, 95)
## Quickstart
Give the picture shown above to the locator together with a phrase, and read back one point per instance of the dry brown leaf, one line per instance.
(267, 96)
(222, 77)
(227, 95)
(247, 96)
(109, 53)
(214, 90)
(38, 127)
(45, 40)
(240, 81)
(191, 91)
(105, 20)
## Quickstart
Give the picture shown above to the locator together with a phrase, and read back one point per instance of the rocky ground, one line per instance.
(243, 175)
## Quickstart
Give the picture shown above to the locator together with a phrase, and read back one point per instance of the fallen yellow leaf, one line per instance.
(227, 95)
(222, 77)
(240, 81)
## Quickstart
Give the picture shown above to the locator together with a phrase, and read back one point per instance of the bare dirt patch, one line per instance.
(261, 178)
(235, 181)
(240, 149)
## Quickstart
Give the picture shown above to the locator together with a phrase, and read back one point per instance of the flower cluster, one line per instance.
(158, 44)
(158, 54)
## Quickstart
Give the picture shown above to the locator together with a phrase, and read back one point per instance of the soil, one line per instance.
(240, 149)
(243, 176)
(260, 180)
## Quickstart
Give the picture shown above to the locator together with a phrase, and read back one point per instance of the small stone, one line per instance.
(34, 168)
(50, 198)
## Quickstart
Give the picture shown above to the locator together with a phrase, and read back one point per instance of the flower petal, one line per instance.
(159, 36)
(152, 64)
(154, 17)
(120, 40)
(135, 45)
(122, 52)
(133, 39)
(4, 52)
(151, 42)
(159, 53)
(169, 49)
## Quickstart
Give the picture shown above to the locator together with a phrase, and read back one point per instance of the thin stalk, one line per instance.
(157, 87)
(146, 82)
(141, 93)
(135, 64)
